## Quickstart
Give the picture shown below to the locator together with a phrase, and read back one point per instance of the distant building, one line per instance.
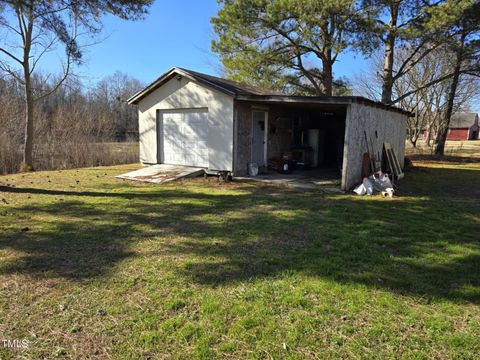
(463, 126)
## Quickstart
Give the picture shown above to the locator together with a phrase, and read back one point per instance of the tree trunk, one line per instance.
(28, 143)
(387, 81)
(27, 164)
(414, 133)
(428, 135)
(414, 139)
(328, 78)
(327, 62)
(443, 130)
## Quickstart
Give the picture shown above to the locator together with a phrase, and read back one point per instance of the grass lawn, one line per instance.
(94, 267)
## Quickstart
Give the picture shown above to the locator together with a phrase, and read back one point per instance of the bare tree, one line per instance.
(76, 126)
(428, 103)
(34, 28)
(112, 93)
(463, 42)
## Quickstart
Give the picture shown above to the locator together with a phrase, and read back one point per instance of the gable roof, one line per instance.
(252, 93)
(228, 87)
(462, 120)
(233, 86)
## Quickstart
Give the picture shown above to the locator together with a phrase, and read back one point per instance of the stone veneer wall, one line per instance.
(242, 113)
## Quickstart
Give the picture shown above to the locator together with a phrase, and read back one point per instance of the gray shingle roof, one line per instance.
(233, 86)
(462, 120)
(252, 93)
(229, 87)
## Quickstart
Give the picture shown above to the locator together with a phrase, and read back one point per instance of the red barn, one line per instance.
(463, 126)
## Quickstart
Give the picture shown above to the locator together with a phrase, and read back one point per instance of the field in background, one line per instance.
(456, 148)
(91, 266)
(70, 155)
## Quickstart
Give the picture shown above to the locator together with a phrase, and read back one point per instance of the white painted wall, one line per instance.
(390, 127)
(186, 94)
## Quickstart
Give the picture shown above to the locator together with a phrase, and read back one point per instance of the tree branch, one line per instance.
(430, 83)
(9, 54)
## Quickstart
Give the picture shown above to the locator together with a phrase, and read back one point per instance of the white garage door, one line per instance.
(185, 138)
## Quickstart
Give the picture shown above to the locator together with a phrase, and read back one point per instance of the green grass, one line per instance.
(95, 267)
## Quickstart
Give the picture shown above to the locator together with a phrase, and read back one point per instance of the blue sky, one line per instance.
(175, 33)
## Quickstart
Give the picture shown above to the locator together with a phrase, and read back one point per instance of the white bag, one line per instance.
(368, 186)
(360, 190)
(364, 188)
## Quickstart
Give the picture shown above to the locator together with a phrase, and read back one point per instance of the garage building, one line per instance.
(194, 119)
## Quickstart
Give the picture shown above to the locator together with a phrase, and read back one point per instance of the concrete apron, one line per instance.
(296, 182)
(162, 173)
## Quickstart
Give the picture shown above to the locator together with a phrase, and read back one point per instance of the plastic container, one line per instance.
(286, 167)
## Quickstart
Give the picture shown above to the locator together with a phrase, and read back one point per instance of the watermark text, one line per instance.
(15, 343)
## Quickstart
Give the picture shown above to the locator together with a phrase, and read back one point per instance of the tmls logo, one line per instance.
(22, 344)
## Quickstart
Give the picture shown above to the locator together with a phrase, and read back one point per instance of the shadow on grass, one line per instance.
(424, 244)
(37, 191)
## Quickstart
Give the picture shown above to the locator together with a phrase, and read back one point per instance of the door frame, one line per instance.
(265, 136)
(159, 124)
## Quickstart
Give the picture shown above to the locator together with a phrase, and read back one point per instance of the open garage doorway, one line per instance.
(309, 138)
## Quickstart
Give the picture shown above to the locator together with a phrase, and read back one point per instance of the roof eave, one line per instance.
(341, 100)
(135, 99)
